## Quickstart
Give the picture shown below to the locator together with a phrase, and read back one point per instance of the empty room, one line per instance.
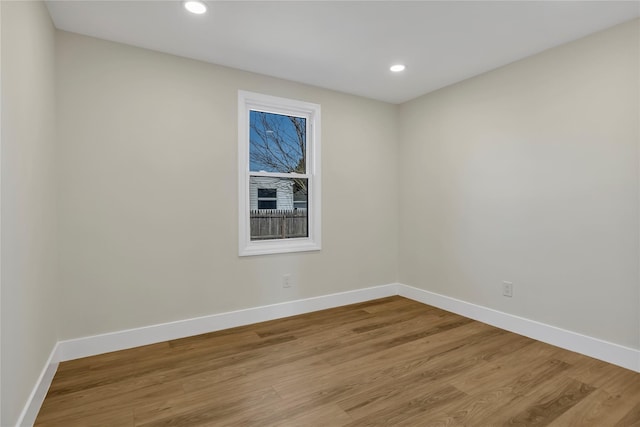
(320, 213)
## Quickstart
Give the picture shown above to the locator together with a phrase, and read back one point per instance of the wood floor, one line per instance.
(390, 362)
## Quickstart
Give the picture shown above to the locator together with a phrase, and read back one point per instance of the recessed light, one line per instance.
(397, 68)
(195, 6)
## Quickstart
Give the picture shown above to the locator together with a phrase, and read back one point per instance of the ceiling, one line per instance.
(348, 46)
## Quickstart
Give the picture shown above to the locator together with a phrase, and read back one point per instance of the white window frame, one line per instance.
(248, 101)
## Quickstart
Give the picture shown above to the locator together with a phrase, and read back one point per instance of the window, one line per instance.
(279, 174)
(267, 198)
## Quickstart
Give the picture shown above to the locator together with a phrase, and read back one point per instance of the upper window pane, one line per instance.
(267, 193)
(278, 143)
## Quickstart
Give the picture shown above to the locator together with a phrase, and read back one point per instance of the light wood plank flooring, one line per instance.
(391, 362)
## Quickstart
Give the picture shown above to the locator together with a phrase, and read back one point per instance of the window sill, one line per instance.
(268, 247)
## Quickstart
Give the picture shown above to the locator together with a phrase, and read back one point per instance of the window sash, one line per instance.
(307, 119)
(281, 175)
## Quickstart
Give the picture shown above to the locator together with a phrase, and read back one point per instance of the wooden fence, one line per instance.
(278, 224)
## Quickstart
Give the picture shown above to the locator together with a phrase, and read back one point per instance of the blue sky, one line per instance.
(274, 145)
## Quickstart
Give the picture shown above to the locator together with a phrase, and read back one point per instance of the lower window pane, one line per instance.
(267, 204)
(278, 208)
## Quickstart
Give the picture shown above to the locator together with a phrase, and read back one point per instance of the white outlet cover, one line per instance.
(286, 281)
(507, 289)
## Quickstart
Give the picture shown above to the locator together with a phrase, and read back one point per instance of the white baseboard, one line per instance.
(104, 343)
(599, 349)
(90, 346)
(34, 402)
(121, 340)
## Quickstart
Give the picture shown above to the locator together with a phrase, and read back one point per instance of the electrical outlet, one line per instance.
(286, 281)
(507, 289)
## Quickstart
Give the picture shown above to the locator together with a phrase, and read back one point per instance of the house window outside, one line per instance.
(279, 174)
(267, 198)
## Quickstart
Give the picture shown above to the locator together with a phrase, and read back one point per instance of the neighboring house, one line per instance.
(270, 193)
(300, 199)
(275, 193)
(277, 210)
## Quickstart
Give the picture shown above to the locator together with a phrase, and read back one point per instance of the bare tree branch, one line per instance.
(279, 145)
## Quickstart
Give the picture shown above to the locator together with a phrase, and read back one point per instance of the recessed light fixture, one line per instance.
(397, 68)
(195, 6)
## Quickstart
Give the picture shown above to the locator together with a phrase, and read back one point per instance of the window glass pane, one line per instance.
(277, 143)
(267, 192)
(267, 204)
(282, 217)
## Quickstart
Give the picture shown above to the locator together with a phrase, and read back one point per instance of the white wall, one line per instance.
(148, 191)
(529, 174)
(28, 228)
